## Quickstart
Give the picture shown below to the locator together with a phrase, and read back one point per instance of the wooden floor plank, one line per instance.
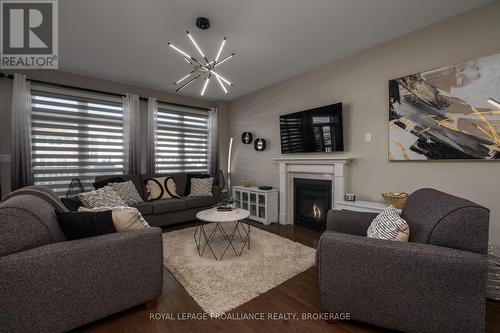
(297, 295)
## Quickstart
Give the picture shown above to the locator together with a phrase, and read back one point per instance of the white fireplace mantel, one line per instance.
(329, 168)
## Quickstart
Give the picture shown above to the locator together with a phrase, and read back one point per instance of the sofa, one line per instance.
(49, 284)
(436, 282)
(164, 212)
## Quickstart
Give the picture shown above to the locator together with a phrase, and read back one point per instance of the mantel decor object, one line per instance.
(246, 138)
(259, 144)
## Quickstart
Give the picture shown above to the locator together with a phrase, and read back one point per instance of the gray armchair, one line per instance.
(434, 283)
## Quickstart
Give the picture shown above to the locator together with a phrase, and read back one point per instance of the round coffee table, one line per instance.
(204, 236)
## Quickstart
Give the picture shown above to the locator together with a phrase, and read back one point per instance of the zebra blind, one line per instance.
(181, 140)
(74, 135)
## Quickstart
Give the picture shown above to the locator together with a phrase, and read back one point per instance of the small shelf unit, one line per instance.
(262, 204)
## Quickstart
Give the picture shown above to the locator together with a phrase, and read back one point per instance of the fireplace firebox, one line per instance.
(312, 200)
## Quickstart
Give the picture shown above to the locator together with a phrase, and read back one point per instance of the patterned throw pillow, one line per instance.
(127, 192)
(124, 218)
(389, 225)
(103, 197)
(201, 187)
(161, 188)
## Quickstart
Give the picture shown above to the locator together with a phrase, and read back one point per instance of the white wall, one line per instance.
(360, 81)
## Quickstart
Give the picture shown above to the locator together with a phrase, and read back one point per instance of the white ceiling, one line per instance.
(126, 40)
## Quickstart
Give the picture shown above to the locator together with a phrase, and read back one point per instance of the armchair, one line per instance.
(434, 283)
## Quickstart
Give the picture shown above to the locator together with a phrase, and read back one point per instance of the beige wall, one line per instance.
(360, 81)
(89, 83)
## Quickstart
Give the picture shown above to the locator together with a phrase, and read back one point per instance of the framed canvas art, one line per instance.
(450, 113)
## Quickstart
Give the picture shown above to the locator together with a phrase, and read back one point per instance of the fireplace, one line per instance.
(312, 200)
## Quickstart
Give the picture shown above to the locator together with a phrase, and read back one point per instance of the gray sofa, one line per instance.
(434, 283)
(169, 211)
(48, 284)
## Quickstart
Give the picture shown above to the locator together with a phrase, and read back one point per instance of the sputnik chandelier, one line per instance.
(202, 69)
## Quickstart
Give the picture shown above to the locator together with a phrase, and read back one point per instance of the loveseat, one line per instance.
(49, 284)
(164, 212)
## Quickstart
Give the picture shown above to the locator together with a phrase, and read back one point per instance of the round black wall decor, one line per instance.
(259, 144)
(246, 138)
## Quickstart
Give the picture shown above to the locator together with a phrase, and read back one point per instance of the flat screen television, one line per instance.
(314, 130)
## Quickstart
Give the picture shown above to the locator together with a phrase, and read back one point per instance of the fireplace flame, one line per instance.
(316, 211)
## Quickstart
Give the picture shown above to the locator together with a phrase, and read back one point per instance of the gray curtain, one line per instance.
(21, 169)
(131, 139)
(213, 141)
(151, 135)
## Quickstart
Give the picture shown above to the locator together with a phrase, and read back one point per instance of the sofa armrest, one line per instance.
(412, 287)
(63, 285)
(217, 193)
(349, 222)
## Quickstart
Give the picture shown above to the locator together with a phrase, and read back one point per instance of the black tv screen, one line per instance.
(314, 130)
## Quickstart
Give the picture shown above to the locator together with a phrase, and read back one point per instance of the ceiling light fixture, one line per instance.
(203, 69)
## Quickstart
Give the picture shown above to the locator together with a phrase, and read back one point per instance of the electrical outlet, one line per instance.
(368, 137)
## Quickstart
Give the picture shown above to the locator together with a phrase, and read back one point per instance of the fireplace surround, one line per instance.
(312, 200)
(333, 169)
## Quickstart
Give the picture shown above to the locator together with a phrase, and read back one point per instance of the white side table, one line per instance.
(364, 206)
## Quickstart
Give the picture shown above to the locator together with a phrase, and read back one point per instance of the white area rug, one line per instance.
(219, 286)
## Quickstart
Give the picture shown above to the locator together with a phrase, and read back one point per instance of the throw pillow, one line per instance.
(124, 218)
(71, 203)
(76, 225)
(127, 192)
(171, 187)
(161, 188)
(155, 188)
(190, 176)
(201, 187)
(389, 225)
(103, 197)
(101, 183)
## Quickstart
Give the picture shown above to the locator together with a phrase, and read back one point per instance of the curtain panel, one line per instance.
(151, 134)
(131, 136)
(21, 155)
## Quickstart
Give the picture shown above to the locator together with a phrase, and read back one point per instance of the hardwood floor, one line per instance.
(297, 295)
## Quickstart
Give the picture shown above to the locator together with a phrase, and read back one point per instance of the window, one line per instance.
(181, 143)
(75, 135)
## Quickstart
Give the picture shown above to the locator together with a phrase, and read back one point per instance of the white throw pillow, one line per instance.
(124, 218)
(201, 187)
(103, 197)
(127, 192)
(389, 225)
(161, 188)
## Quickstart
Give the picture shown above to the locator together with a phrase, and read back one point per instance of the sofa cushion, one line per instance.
(76, 225)
(190, 176)
(145, 208)
(195, 202)
(180, 181)
(389, 226)
(103, 197)
(163, 206)
(127, 192)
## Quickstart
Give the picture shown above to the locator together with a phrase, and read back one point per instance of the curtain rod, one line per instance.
(10, 76)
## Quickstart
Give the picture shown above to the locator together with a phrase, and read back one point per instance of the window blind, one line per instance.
(74, 135)
(181, 140)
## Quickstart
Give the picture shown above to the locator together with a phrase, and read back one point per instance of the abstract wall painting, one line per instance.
(450, 113)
